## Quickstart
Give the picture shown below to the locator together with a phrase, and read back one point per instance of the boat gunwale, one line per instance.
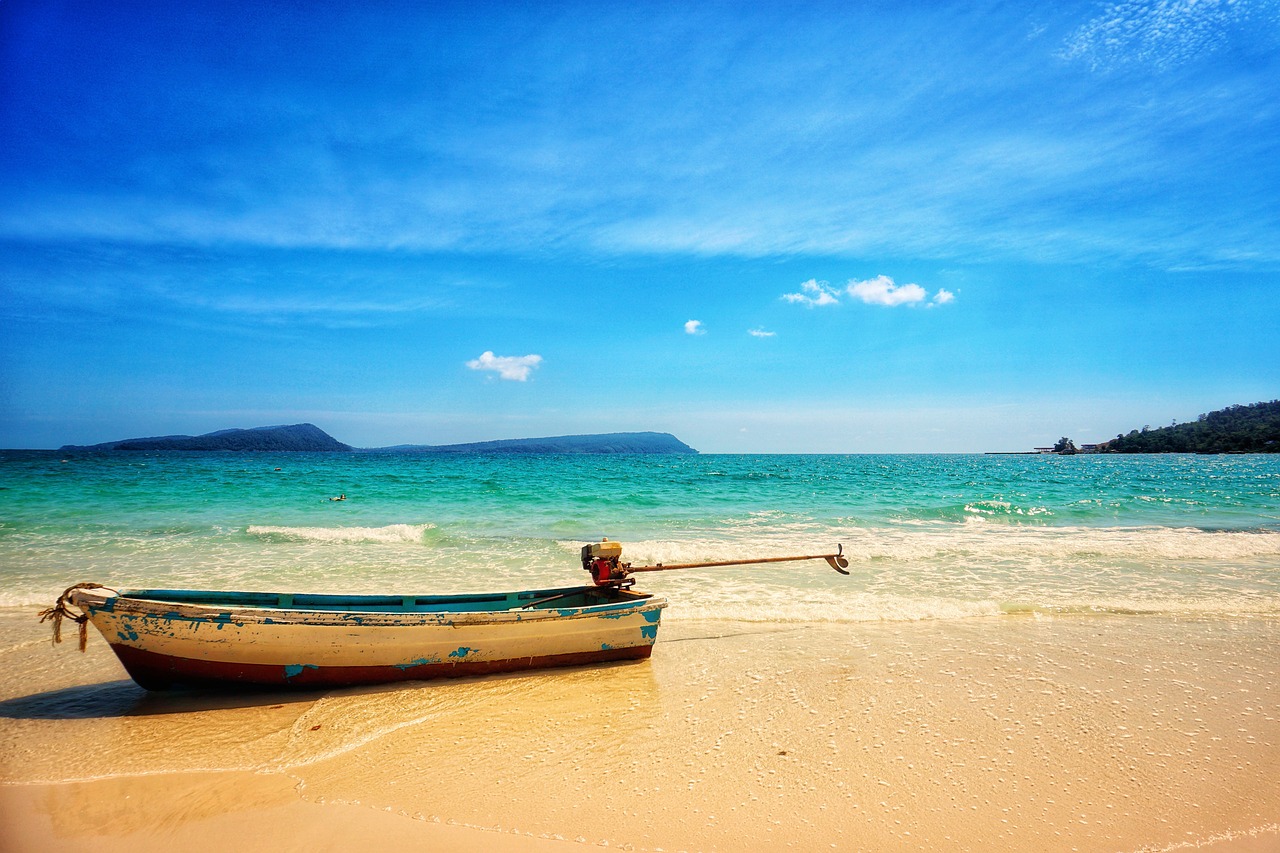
(135, 603)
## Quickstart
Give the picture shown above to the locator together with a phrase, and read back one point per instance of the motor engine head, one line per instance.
(603, 560)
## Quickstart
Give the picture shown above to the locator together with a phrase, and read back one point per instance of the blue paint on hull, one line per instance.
(293, 670)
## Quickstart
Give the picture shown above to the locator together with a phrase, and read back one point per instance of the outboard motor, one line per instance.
(603, 560)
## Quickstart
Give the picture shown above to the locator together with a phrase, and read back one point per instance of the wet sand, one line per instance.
(1083, 732)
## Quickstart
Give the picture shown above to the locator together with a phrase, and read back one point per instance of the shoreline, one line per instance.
(1089, 732)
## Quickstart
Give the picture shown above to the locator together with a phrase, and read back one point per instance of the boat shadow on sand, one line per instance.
(124, 698)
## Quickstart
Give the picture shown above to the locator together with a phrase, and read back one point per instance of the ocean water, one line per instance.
(929, 537)
(1098, 628)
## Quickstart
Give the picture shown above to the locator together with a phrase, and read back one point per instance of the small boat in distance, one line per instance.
(181, 638)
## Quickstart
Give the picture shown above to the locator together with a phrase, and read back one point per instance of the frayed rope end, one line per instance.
(59, 611)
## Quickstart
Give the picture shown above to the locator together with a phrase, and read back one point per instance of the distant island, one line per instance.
(310, 438)
(294, 438)
(613, 442)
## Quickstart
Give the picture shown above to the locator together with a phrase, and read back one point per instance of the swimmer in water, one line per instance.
(341, 497)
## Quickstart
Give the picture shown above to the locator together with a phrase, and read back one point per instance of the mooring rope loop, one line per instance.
(59, 611)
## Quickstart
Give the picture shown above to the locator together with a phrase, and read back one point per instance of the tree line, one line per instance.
(1236, 429)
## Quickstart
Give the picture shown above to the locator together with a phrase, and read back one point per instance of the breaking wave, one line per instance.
(391, 534)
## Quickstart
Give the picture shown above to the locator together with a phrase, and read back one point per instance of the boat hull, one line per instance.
(174, 638)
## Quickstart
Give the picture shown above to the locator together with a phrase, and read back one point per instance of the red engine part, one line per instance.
(605, 572)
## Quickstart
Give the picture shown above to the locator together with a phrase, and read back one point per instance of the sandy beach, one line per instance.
(1078, 733)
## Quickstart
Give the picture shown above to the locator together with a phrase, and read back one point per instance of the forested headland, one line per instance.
(1236, 429)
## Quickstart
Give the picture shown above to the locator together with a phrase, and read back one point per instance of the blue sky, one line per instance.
(762, 227)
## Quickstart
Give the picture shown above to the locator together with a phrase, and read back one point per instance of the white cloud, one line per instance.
(882, 291)
(694, 327)
(513, 367)
(761, 333)
(1160, 33)
(812, 294)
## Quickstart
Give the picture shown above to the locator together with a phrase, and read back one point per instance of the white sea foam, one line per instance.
(860, 607)
(391, 534)
(975, 537)
(932, 570)
(958, 571)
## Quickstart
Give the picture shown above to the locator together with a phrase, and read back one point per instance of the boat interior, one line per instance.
(538, 599)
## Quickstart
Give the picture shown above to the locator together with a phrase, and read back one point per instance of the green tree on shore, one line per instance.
(1235, 429)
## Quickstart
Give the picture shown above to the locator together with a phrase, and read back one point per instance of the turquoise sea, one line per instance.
(929, 536)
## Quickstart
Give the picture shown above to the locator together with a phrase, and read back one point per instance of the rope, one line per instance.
(59, 611)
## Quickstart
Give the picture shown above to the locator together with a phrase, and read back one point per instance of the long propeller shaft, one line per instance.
(836, 561)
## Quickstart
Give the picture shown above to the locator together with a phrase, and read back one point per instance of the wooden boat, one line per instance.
(169, 637)
(180, 637)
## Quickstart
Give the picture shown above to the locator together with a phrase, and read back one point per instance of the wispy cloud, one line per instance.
(513, 367)
(761, 333)
(1159, 33)
(315, 307)
(943, 296)
(694, 327)
(989, 152)
(812, 294)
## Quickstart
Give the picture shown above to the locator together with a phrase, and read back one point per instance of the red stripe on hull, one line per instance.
(161, 672)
